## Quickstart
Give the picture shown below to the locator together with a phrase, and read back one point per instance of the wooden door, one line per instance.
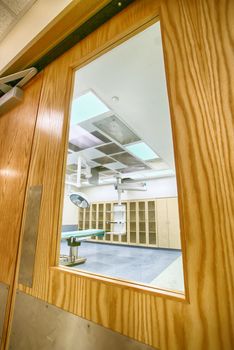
(198, 49)
(16, 136)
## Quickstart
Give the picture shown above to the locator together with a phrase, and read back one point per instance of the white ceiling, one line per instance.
(134, 72)
(10, 13)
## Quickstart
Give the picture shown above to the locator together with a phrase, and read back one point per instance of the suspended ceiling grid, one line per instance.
(134, 73)
(106, 155)
(130, 81)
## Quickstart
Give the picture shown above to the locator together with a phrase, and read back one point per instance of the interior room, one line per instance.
(120, 214)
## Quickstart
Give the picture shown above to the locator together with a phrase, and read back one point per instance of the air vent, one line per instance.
(117, 130)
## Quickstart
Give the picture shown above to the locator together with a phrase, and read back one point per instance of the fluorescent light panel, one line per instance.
(86, 107)
(142, 151)
(115, 166)
(81, 138)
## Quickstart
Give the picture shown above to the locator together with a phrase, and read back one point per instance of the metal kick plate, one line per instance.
(30, 235)
(37, 325)
(4, 289)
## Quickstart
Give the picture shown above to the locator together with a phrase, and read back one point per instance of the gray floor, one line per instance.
(130, 263)
(172, 277)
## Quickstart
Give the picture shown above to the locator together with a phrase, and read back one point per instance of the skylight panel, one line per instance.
(142, 151)
(86, 107)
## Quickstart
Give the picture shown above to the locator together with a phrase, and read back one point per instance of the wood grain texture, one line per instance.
(198, 47)
(198, 55)
(16, 135)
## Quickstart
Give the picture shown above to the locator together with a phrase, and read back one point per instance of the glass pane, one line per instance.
(120, 216)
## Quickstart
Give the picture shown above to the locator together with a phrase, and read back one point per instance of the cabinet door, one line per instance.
(151, 223)
(173, 223)
(162, 222)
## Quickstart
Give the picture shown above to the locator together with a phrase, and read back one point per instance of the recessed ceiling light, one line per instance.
(142, 151)
(115, 99)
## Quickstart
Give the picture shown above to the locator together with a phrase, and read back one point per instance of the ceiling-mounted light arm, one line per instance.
(127, 185)
(119, 191)
(82, 168)
(78, 178)
(132, 186)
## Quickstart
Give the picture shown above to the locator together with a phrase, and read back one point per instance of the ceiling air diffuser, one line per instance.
(116, 129)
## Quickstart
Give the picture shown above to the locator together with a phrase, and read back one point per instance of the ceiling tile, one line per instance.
(82, 138)
(18, 5)
(73, 147)
(91, 153)
(100, 136)
(92, 164)
(115, 166)
(111, 148)
(127, 159)
(6, 20)
(103, 160)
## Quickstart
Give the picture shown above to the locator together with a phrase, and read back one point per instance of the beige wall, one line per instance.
(40, 15)
(70, 211)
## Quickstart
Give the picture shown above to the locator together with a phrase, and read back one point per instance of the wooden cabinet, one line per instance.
(150, 222)
(173, 223)
(168, 223)
(162, 223)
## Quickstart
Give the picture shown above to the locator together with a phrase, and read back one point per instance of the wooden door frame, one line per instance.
(182, 296)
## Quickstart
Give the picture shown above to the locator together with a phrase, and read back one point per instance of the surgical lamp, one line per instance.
(79, 199)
